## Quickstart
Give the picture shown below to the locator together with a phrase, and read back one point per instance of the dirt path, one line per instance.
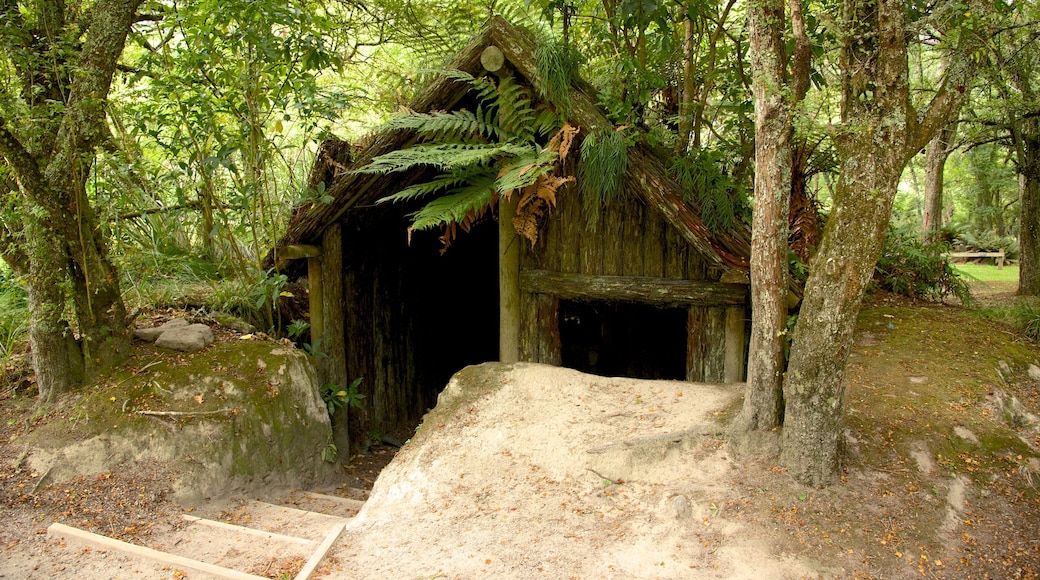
(557, 474)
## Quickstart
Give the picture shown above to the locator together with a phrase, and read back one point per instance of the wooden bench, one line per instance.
(965, 255)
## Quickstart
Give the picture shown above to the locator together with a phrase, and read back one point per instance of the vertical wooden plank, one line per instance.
(570, 223)
(715, 345)
(632, 239)
(735, 339)
(334, 283)
(549, 351)
(569, 231)
(611, 236)
(653, 244)
(528, 327)
(591, 259)
(694, 344)
(706, 347)
(314, 299)
(508, 285)
(676, 250)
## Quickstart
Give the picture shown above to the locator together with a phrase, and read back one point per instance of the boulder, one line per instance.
(178, 334)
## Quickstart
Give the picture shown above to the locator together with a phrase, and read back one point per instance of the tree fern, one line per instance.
(455, 207)
(442, 156)
(516, 114)
(444, 182)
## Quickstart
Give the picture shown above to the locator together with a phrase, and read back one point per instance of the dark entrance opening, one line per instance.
(623, 339)
(454, 301)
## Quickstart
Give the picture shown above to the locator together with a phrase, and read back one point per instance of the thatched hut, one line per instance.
(650, 293)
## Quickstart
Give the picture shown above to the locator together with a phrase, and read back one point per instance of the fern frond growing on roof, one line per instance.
(442, 156)
(558, 63)
(604, 164)
(492, 152)
(462, 125)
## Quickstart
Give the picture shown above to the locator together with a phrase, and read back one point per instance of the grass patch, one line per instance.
(986, 273)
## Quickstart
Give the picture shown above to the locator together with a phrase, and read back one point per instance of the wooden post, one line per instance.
(315, 300)
(508, 285)
(333, 340)
(734, 364)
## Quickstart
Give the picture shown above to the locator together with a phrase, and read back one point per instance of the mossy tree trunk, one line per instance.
(776, 95)
(1029, 190)
(939, 149)
(880, 131)
(763, 400)
(51, 158)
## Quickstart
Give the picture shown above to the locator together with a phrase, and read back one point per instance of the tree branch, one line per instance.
(954, 88)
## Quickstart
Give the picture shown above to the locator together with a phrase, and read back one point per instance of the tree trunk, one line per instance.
(880, 131)
(52, 167)
(55, 353)
(839, 274)
(935, 162)
(1029, 228)
(763, 399)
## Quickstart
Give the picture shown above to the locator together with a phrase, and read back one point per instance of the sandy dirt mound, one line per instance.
(534, 471)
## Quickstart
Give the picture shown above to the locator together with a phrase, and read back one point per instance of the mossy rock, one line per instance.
(234, 417)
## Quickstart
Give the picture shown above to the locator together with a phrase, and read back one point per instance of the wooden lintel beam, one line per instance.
(298, 251)
(657, 291)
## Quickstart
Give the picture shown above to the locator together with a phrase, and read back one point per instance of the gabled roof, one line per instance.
(648, 176)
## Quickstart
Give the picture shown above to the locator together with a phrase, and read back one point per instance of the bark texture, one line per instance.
(1029, 187)
(51, 162)
(939, 149)
(880, 131)
(763, 399)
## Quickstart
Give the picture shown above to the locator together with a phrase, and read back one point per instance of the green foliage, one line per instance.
(706, 185)
(917, 270)
(337, 398)
(14, 319)
(330, 451)
(558, 63)
(604, 165)
(989, 242)
(481, 155)
(253, 299)
(1024, 317)
(296, 328)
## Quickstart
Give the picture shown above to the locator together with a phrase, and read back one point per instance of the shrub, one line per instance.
(989, 242)
(917, 270)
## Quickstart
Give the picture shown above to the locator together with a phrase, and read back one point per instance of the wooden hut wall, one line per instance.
(630, 240)
(377, 327)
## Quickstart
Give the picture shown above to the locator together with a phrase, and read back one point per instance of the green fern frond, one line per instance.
(441, 183)
(604, 163)
(516, 114)
(558, 63)
(706, 185)
(454, 206)
(440, 126)
(442, 156)
(485, 88)
(524, 170)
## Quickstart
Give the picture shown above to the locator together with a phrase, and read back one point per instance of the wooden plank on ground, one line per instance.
(352, 504)
(71, 534)
(319, 554)
(247, 531)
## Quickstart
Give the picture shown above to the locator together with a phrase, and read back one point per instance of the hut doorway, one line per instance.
(454, 301)
(624, 339)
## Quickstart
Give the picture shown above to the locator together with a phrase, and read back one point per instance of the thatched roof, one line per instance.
(648, 176)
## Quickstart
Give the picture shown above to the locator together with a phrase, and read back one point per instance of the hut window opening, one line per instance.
(624, 339)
